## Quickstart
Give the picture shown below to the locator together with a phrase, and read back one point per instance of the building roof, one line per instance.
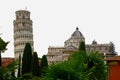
(6, 61)
(77, 33)
(115, 58)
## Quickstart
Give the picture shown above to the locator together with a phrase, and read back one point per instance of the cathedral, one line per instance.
(57, 54)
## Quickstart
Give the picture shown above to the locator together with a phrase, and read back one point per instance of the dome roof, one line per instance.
(77, 33)
(94, 42)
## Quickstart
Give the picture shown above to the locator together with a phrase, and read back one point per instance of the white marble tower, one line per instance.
(23, 31)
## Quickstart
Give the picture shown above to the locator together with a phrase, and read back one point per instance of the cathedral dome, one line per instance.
(77, 33)
(94, 42)
(75, 39)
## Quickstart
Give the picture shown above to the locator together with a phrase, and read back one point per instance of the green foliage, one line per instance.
(6, 73)
(73, 69)
(35, 65)
(3, 46)
(27, 76)
(36, 78)
(43, 65)
(100, 71)
(0, 60)
(27, 59)
(80, 66)
(82, 46)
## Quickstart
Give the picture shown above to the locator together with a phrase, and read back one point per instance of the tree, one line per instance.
(6, 73)
(112, 48)
(35, 65)
(27, 59)
(60, 71)
(3, 46)
(73, 69)
(43, 65)
(19, 66)
(82, 46)
(78, 62)
(97, 61)
(79, 67)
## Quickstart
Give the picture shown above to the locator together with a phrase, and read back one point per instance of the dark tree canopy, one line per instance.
(112, 48)
(82, 46)
(19, 66)
(43, 65)
(35, 65)
(27, 59)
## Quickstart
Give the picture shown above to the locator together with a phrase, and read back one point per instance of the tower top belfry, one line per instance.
(22, 14)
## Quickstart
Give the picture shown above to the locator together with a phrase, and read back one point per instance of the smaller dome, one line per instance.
(77, 33)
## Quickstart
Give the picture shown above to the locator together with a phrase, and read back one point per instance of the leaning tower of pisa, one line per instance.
(23, 32)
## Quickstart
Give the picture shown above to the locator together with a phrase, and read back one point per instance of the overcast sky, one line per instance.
(55, 20)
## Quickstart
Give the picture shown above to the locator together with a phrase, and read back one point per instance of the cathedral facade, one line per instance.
(57, 54)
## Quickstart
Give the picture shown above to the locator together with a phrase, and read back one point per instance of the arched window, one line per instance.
(23, 16)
